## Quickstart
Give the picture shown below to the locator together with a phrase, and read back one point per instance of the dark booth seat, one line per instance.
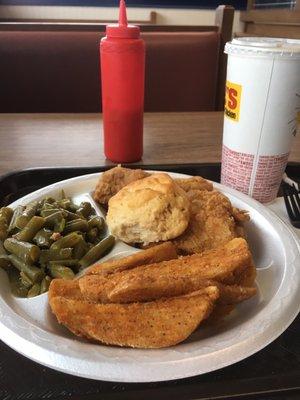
(58, 71)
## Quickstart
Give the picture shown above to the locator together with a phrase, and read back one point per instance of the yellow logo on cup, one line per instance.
(233, 101)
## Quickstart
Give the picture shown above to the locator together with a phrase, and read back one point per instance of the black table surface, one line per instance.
(272, 373)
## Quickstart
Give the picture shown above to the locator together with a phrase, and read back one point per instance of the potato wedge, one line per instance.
(246, 277)
(162, 252)
(169, 278)
(234, 294)
(65, 288)
(156, 324)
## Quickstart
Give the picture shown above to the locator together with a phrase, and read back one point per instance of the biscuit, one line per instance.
(149, 210)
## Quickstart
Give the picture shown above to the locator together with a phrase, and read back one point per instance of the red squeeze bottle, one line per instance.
(122, 58)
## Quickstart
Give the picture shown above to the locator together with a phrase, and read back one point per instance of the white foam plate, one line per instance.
(28, 326)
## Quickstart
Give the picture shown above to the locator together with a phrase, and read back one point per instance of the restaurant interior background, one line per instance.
(52, 129)
(259, 17)
(70, 31)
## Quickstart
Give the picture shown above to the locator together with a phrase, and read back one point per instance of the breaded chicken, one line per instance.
(169, 278)
(113, 180)
(156, 324)
(213, 222)
(194, 183)
(162, 252)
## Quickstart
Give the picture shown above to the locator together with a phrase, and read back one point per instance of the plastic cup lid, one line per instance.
(263, 46)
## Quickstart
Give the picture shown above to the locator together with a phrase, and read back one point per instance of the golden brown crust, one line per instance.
(219, 313)
(154, 299)
(113, 180)
(240, 216)
(156, 324)
(234, 294)
(169, 278)
(162, 252)
(212, 222)
(247, 277)
(67, 288)
(194, 183)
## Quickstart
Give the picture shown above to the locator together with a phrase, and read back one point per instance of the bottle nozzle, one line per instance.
(122, 29)
(122, 14)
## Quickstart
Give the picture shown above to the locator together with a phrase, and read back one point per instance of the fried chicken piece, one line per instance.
(156, 324)
(213, 222)
(169, 278)
(111, 181)
(194, 183)
(240, 216)
(162, 252)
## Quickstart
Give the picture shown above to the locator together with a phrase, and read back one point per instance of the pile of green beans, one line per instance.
(49, 239)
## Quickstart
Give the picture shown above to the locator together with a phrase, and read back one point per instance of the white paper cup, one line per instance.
(262, 104)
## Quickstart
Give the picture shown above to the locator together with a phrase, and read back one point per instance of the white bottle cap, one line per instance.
(264, 47)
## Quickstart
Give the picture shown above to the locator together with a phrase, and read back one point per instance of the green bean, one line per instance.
(26, 281)
(59, 226)
(60, 271)
(52, 219)
(49, 206)
(67, 241)
(66, 263)
(4, 260)
(34, 273)
(12, 226)
(6, 213)
(56, 221)
(45, 284)
(31, 229)
(27, 252)
(97, 251)
(23, 219)
(49, 211)
(73, 208)
(89, 245)
(76, 225)
(96, 222)
(93, 234)
(80, 249)
(3, 232)
(52, 255)
(49, 200)
(2, 249)
(85, 209)
(62, 194)
(3, 228)
(17, 287)
(43, 238)
(64, 203)
(3, 221)
(71, 216)
(34, 291)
